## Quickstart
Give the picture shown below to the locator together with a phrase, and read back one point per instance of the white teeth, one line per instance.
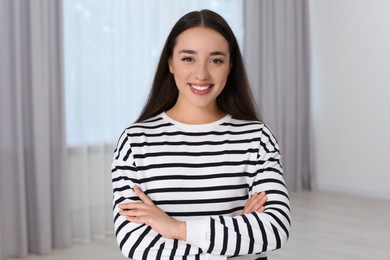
(200, 88)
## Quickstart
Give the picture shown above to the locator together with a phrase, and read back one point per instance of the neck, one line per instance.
(195, 116)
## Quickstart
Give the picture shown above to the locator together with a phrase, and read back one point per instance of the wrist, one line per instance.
(181, 231)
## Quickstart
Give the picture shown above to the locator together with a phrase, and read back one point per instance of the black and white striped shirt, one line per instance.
(202, 174)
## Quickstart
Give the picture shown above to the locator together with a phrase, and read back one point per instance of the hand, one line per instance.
(146, 212)
(255, 203)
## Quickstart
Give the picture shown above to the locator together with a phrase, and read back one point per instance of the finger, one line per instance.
(246, 207)
(256, 201)
(260, 200)
(250, 204)
(132, 205)
(145, 199)
(262, 194)
(138, 220)
(133, 213)
(263, 200)
(135, 209)
(122, 206)
(260, 209)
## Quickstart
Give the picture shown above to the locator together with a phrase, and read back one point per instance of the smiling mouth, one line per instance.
(202, 89)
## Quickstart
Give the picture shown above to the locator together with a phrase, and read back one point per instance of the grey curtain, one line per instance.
(277, 57)
(34, 215)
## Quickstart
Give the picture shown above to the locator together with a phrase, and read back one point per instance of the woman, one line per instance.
(190, 176)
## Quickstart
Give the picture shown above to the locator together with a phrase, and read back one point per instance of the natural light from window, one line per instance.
(111, 49)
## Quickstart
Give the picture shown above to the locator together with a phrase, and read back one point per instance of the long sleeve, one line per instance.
(137, 241)
(255, 232)
(202, 175)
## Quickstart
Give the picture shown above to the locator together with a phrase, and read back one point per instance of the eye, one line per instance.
(187, 59)
(217, 61)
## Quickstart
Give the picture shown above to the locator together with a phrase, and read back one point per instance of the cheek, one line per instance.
(182, 73)
(180, 79)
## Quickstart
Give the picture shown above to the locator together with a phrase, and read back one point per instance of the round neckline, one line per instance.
(196, 127)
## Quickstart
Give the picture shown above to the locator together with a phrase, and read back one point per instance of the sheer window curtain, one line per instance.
(33, 201)
(277, 59)
(111, 51)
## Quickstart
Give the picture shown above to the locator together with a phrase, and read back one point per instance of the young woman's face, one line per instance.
(200, 64)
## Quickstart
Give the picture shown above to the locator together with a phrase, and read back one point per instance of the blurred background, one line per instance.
(75, 73)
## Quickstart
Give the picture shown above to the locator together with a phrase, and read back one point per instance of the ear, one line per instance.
(170, 65)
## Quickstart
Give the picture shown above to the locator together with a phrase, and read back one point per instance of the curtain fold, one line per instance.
(34, 216)
(277, 48)
(54, 191)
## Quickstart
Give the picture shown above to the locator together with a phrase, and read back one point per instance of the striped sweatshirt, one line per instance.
(203, 175)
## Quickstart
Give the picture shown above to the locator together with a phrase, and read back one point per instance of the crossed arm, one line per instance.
(144, 231)
(146, 212)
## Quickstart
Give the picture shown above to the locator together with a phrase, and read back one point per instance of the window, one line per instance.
(111, 51)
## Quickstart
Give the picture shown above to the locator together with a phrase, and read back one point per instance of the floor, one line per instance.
(325, 226)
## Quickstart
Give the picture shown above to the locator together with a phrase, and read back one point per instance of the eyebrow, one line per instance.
(213, 53)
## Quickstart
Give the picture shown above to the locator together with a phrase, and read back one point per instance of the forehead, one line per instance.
(201, 39)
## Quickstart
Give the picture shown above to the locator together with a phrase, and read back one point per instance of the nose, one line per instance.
(202, 71)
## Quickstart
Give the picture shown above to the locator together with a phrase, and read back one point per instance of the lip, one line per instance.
(200, 88)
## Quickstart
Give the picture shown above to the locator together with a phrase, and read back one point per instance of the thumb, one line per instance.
(145, 199)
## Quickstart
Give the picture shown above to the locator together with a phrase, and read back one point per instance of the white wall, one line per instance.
(351, 95)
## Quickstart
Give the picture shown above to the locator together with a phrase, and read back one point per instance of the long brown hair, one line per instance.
(236, 98)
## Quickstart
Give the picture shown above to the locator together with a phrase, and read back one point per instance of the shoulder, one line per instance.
(155, 122)
(263, 128)
(256, 126)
